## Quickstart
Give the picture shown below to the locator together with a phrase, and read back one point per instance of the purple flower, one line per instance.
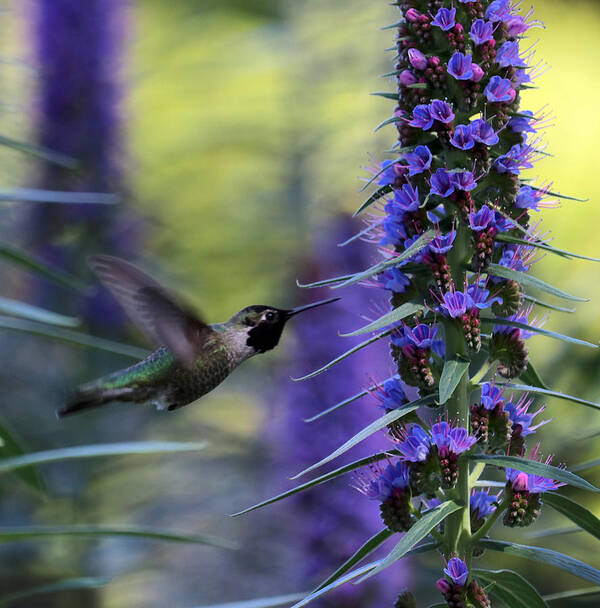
(464, 180)
(528, 198)
(421, 117)
(407, 78)
(499, 89)
(491, 396)
(394, 280)
(483, 132)
(499, 10)
(442, 243)
(503, 223)
(414, 444)
(389, 175)
(407, 198)
(422, 336)
(482, 503)
(522, 123)
(516, 24)
(528, 482)
(481, 32)
(391, 395)
(418, 160)
(445, 19)
(451, 439)
(462, 138)
(454, 304)
(516, 159)
(459, 66)
(441, 110)
(379, 483)
(478, 72)
(442, 183)
(508, 55)
(395, 233)
(479, 296)
(417, 59)
(520, 417)
(457, 570)
(482, 219)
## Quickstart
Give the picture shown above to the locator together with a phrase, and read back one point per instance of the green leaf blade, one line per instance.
(579, 515)
(70, 584)
(527, 388)
(35, 313)
(511, 588)
(394, 316)
(454, 370)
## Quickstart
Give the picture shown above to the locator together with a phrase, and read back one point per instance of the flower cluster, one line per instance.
(456, 588)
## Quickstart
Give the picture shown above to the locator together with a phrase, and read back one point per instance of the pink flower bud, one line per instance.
(477, 72)
(443, 585)
(407, 77)
(412, 14)
(434, 62)
(417, 59)
(459, 29)
(520, 482)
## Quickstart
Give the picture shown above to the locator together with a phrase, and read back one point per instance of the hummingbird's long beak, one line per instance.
(295, 311)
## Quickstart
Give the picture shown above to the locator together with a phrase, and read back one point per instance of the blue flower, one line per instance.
(419, 160)
(499, 89)
(442, 243)
(421, 117)
(422, 336)
(417, 59)
(508, 55)
(479, 296)
(442, 183)
(395, 233)
(516, 25)
(528, 198)
(515, 160)
(491, 396)
(481, 32)
(462, 138)
(379, 484)
(388, 176)
(464, 180)
(482, 503)
(483, 132)
(499, 10)
(520, 417)
(441, 110)
(454, 304)
(451, 439)
(457, 570)
(392, 395)
(394, 280)
(528, 482)
(482, 219)
(407, 198)
(460, 66)
(445, 19)
(414, 444)
(522, 124)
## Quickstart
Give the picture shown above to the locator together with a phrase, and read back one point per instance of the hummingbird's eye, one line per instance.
(270, 316)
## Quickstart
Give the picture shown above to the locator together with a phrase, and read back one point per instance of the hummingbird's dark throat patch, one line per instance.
(265, 336)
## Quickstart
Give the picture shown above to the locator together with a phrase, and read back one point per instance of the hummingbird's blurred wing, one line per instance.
(152, 308)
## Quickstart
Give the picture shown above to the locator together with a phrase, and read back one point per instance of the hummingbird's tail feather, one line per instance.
(85, 398)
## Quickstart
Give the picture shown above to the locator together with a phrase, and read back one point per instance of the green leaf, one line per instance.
(538, 330)
(375, 426)
(554, 532)
(10, 534)
(511, 588)
(454, 370)
(386, 95)
(579, 515)
(545, 556)
(564, 196)
(99, 449)
(530, 376)
(584, 466)
(373, 198)
(526, 388)
(565, 595)
(69, 584)
(394, 316)
(393, 25)
(347, 401)
(343, 356)
(324, 282)
(535, 467)
(10, 445)
(34, 313)
(527, 280)
(32, 195)
(71, 337)
(373, 543)
(386, 122)
(417, 246)
(357, 464)
(263, 602)
(417, 533)
(526, 296)
(21, 258)
(39, 152)
(507, 238)
(417, 85)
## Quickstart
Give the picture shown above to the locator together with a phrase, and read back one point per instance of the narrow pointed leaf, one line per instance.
(417, 246)
(32, 195)
(324, 282)
(584, 466)
(69, 584)
(537, 468)
(375, 426)
(511, 588)
(417, 533)
(553, 531)
(530, 281)
(357, 464)
(507, 238)
(35, 313)
(545, 556)
(343, 356)
(373, 543)
(388, 121)
(579, 515)
(347, 401)
(372, 199)
(382, 170)
(10, 534)
(393, 25)
(263, 602)
(23, 259)
(538, 330)
(452, 373)
(70, 336)
(530, 376)
(574, 593)
(94, 451)
(10, 445)
(394, 316)
(529, 298)
(51, 156)
(526, 388)
(564, 196)
(386, 95)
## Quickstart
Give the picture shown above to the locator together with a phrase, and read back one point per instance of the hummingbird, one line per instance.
(192, 358)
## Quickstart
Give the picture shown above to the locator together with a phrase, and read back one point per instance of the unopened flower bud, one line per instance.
(407, 78)
(477, 72)
(417, 59)
(412, 15)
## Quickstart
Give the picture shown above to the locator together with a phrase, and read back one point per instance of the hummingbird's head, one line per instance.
(265, 323)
